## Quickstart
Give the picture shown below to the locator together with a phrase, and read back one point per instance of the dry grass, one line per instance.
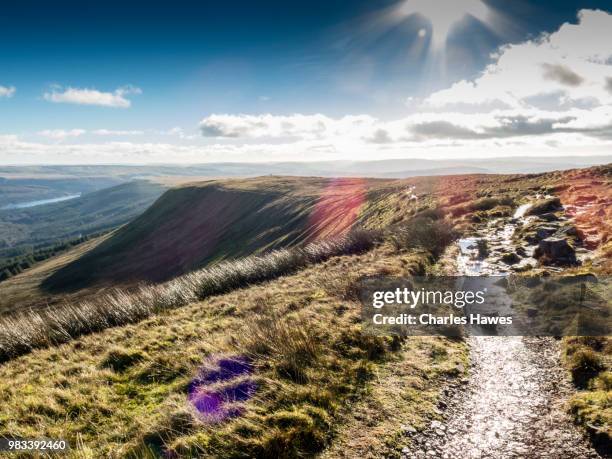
(20, 333)
(122, 391)
(425, 233)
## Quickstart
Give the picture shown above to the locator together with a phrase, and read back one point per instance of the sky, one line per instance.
(194, 82)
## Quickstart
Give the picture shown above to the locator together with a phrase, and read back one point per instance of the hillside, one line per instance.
(92, 212)
(23, 291)
(197, 224)
(282, 346)
(23, 187)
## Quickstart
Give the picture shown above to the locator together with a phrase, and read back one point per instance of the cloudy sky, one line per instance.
(192, 82)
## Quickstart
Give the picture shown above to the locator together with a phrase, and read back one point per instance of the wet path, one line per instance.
(512, 404)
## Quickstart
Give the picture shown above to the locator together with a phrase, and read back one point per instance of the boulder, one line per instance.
(555, 251)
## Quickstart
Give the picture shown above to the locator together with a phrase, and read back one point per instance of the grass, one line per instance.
(425, 232)
(20, 333)
(588, 361)
(544, 206)
(122, 392)
(224, 220)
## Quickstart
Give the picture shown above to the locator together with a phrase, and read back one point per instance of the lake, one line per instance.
(24, 205)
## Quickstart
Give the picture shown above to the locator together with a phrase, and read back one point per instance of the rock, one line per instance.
(510, 258)
(579, 279)
(524, 268)
(405, 450)
(549, 217)
(570, 230)
(545, 231)
(436, 424)
(535, 232)
(521, 251)
(408, 429)
(555, 251)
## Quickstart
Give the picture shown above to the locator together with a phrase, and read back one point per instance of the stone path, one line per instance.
(512, 404)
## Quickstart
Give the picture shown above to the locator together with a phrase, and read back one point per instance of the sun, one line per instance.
(442, 14)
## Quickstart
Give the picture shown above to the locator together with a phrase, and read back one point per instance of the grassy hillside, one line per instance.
(278, 337)
(306, 363)
(23, 291)
(192, 226)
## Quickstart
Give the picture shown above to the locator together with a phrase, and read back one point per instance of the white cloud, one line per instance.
(290, 126)
(416, 128)
(565, 69)
(109, 132)
(87, 96)
(61, 134)
(177, 132)
(7, 91)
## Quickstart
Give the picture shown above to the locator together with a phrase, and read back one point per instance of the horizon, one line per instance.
(552, 159)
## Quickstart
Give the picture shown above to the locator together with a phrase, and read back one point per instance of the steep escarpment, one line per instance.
(195, 225)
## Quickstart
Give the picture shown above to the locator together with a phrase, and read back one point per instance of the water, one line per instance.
(41, 202)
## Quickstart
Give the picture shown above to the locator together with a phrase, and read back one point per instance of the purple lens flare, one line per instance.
(221, 385)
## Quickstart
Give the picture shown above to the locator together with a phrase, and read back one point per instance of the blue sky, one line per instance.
(208, 81)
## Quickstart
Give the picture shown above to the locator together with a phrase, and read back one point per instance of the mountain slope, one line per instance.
(194, 225)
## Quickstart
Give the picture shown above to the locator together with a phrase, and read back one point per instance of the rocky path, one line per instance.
(512, 404)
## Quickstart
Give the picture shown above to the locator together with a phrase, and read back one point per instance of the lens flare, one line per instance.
(220, 388)
(443, 15)
(337, 209)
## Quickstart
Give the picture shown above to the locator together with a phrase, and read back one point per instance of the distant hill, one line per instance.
(22, 188)
(21, 229)
(400, 168)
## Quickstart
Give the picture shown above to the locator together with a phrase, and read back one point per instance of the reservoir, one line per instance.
(24, 205)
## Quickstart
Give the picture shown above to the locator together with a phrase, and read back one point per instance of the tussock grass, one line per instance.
(20, 333)
(588, 360)
(304, 373)
(584, 365)
(424, 233)
(290, 347)
(544, 206)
